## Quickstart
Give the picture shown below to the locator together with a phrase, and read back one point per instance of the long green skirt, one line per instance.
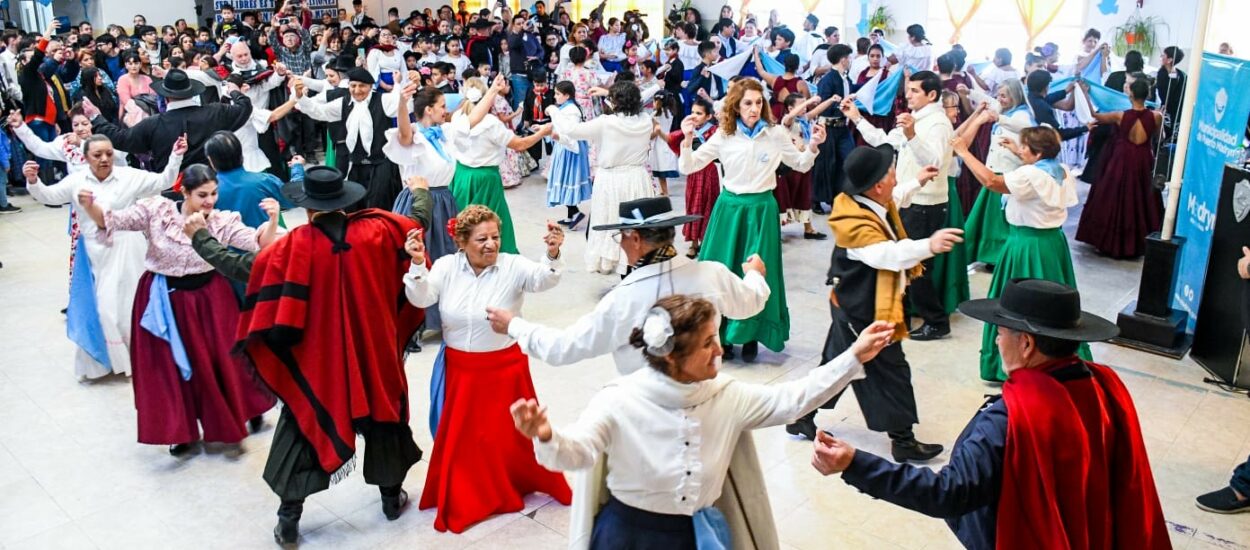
(1028, 253)
(742, 225)
(484, 186)
(950, 270)
(986, 228)
(330, 158)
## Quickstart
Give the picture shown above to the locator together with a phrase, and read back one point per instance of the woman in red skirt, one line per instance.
(480, 466)
(1125, 207)
(185, 317)
(702, 187)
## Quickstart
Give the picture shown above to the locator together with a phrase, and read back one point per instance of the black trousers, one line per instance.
(300, 134)
(268, 143)
(885, 394)
(380, 178)
(921, 222)
(294, 473)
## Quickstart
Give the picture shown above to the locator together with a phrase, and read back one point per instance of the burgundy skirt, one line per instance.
(223, 392)
(702, 188)
(793, 191)
(967, 184)
(1124, 207)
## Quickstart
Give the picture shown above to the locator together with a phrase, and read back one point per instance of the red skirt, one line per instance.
(481, 465)
(223, 392)
(793, 191)
(702, 188)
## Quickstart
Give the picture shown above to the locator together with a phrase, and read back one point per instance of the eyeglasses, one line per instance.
(616, 237)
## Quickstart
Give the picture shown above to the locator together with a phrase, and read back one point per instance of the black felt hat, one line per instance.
(647, 214)
(177, 85)
(1044, 308)
(865, 166)
(360, 75)
(323, 189)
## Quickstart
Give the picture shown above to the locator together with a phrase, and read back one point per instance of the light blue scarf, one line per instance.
(434, 135)
(1051, 167)
(158, 319)
(750, 133)
(711, 530)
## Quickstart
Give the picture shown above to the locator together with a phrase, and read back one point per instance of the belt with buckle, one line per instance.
(831, 122)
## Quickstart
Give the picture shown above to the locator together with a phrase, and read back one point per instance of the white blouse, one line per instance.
(919, 58)
(931, 146)
(1000, 160)
(483, 145)
(669, 444)
(421, 158)
(622, 140)
(379, 62)
(750, 164)
(612, 44)
(568, 115)
(461, 62)
(689, 55)
(1036, 199)
(463, 296)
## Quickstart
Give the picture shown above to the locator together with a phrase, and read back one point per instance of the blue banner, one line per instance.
(1220, 114)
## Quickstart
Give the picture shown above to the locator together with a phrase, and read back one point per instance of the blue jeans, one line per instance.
(1241, 478)
(520, 87)
(4, 193)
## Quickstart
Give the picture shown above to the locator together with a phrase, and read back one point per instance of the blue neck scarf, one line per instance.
(702, 131)
(750, 133)
(1021, 107)
(805, 127)
(1051, 167)
(434, 135)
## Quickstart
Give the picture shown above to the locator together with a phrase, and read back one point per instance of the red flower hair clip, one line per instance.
(178, 183)
(451, 228)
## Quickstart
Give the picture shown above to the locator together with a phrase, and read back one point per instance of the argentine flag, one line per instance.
(876, 96)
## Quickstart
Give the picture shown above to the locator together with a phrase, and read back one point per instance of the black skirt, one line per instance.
(622, 527)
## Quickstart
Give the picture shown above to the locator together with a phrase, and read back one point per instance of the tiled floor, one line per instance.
(72, 476)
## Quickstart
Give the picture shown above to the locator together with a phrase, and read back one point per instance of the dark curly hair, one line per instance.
(688, 314)
(626, 98)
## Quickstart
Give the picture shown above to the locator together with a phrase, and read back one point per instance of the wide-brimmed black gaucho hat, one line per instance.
(323, 189)
(865, 166)
(647, 214)
(177, 85)
(1043, 308)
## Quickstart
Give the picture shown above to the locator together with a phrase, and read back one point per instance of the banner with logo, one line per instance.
(1220, 115)
(265, 8)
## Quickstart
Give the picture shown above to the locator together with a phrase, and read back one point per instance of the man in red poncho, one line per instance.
(1056, 462)
(325, 322)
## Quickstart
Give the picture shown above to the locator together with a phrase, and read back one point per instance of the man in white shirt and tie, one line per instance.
(647, 230)
(922, 138)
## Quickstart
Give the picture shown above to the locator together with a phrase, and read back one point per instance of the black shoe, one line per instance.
(414, 345)
(9, 209)
(576, 219)
(727, 352)
(1223, 501)
(65, 310)
(928, 332)
(815, 236)
(256, 423)
(905, 450)
(18, 191)
(52, 205)
(179, 449)
(393, 507)
(818, 209)
(805, 426)
(286, 532)
(565, 221)
(750, 351)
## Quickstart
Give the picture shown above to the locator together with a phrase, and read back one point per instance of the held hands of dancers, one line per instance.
(554, 239)
(531, 419)
(297, 87)
(499, 319)
(756, 264)
(417, 182)
(927, 174)
(15, 116)
(849, 109)
(194, 223)
(831, 455)
(944, 240)
(959, 145)
(415, 246)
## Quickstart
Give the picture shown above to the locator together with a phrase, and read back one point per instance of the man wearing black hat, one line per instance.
(873, 261)
(183, 114)
(305, 293)
(481, 46)
(333, 88)
(362, 117)
(1056, 461)
(646, 233)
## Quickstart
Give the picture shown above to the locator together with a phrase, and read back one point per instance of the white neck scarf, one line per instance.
(360, 124)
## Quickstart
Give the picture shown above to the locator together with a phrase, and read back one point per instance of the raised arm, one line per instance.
(151, 183)
(38, 147)
(56, 194)
(691, 160)
(768, 77)
(597, 333)
(576, 447)
(987, 177)
(422, 285)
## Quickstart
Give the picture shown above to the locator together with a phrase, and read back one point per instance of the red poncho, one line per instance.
(1075, 471)
(326, 327)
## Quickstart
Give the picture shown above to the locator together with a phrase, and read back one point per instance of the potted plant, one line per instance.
(881, 18)
(1139, 33)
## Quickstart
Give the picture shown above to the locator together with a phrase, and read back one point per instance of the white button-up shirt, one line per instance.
(750, 164)
(421, 158)
(669, 444)
(607, 328)
(485, 144)
(463, 296)
(359, 123)
(1036, 199)
(622, 140)
(931, 146)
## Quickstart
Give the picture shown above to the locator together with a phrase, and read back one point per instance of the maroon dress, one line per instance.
(1124, 207)
(702, 188)
(782, 83)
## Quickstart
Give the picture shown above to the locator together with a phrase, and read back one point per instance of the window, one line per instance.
(997, 25)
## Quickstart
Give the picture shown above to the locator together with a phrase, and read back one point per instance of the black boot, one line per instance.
(909, 449)
(286, 532)
(256, 423)
(804, 426)
(179, 449)
(750, 351)
(727, 352)
(394, 499)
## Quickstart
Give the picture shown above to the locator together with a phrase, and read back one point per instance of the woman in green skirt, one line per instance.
(950, 270)
(744, 220)
(986, 228)
(1039, 194)
(479, 149)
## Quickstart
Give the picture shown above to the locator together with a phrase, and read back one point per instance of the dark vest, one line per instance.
(854, 283)
(381, 123)
(338, 132)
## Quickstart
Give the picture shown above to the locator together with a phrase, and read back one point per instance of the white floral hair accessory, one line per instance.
(657, 332)
(474, 95)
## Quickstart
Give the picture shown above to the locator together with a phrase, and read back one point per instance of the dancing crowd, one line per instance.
(180, 149)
